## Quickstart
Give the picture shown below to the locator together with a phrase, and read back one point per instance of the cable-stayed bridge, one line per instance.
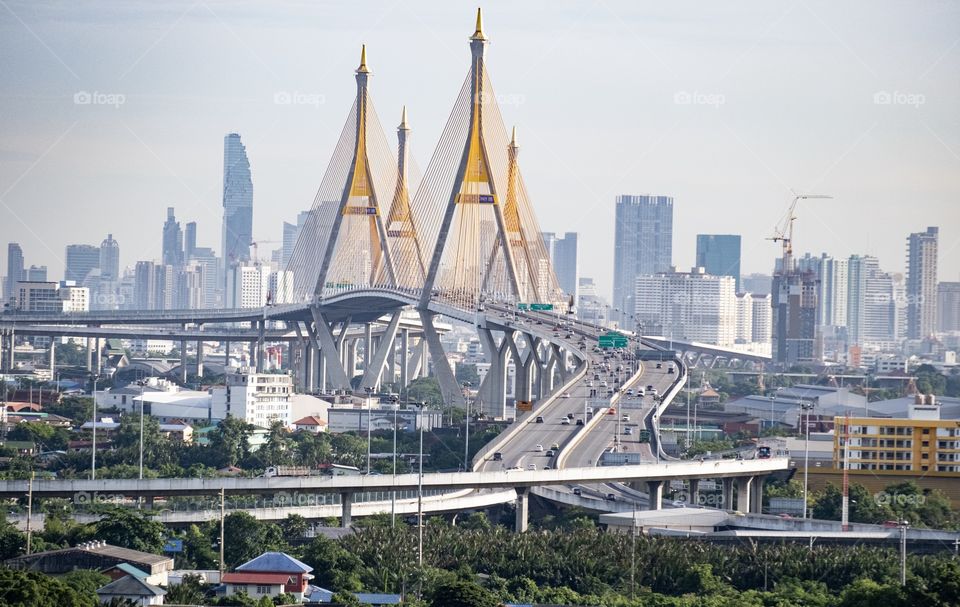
(380, 266)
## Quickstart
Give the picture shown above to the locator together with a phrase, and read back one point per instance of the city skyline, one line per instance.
(288, 107)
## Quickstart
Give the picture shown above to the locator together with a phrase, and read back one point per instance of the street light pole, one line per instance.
(420, 493)
(369, 423)
(806, 452)
(466, 432)
(93, 451)
(141, 428)
(393, 494)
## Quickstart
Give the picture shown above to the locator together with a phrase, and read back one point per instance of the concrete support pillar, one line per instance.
(743, 493)
(693, 495)
(756, 495)
(183, 360)
(200, 358)
(53, 358)
(655, 495)
(390, 367)
(523, 510)
(373, 373)
(291, 351)
(321, 363)
(330, 350)
(404, 353)
(727, 493)
(148, 502)
(261, 329)
(226, 354)
(441, 366)
(367, 346)
(89, 353)
(351, 366)
(346, 509)
(252, 354)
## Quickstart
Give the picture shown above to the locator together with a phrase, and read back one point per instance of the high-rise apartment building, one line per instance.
(247, 286)
(762, 317)
(719, 255)
(110, 259)
(744, 318)
(691, 306)
(237, 202)
(14, 270)
(643, 245)
(172, 241)
(948, 306)
(144, 286)
(564, 253)
(833, 298)
(872, 304)
(921, 284)
(795, 335)
(37, 297)
(82, 259)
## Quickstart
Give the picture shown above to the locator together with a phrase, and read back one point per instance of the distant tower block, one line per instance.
(357, 253)
(488, 243)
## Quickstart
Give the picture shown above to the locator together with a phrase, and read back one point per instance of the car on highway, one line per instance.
(538, 448)
(498, 457)
(659, 365)
(625, 418)
(539, 419)
(569, 415)
(531, 466)
(551, 453)
(589, 410)
(649, 387)
(577, 491)
(669, 369)
(565, 421)
(611, 497)
(566, 395)
(579, 422)
(628, 430)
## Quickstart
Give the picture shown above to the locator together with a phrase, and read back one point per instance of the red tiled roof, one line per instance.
(310, 420)
(241, 577)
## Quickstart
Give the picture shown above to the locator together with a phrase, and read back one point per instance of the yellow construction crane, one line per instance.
(784, 232)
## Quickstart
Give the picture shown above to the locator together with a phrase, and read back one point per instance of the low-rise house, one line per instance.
(93, 555)
(310, 423)
(270, 574)
(133, 589)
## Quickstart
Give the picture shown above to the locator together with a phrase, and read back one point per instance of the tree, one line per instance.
(12, 542)
(245, 538)
(425, 389)
(230, 441)
(39, 590)
(85, 581)
(190, 591)
(333, 566)
(462, 594)
(130, 529)
(294, 526)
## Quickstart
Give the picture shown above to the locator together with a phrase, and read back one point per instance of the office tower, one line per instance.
(37, 297)
(82, 259)
(719, 254)
(833, 291)
(14, 269)
(692, 306)
(247, 286)
(762, 317)
(205, 257)
(872, 309)
(948, 306)
(190, 286)
(144, 286)
(36, 274)
(73, 298)
(290, 233)
(172, 241)
(237, 202)
(189, 240)
(744, 318)
(922, 283)
(564, 257)
(756, 284)
(643, 244)
(110, 259)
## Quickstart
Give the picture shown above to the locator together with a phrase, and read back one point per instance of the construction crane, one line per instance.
(256, 251)
(784, 232)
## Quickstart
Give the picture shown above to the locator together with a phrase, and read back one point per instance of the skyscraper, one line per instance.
(14, 269)
(110, 259)
(189, 240)
(922, 283)
(144, 289)
(643, 244)
(563, 254)
(948, 306)
(82, 259)
(237, 202)
(719, 255)
(172, 241)
(872, 303)
(691, 306)
(35, 274)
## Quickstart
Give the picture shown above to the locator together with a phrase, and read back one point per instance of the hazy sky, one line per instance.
(724, 106)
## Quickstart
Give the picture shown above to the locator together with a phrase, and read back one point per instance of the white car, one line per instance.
(538, 448)
(566, 395)
(565, 421)
(531, 466)
(589, 410)
(625, 418)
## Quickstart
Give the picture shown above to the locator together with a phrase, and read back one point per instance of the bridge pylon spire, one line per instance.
(356, 251)
(401, 229)
(487, 243)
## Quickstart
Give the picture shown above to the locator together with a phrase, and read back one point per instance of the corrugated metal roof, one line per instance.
(275, 562)
(244, 577)
(129, 585)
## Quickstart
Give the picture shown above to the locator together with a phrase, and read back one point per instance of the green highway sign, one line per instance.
(541, 306)
(522, 306)
(612, 340)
